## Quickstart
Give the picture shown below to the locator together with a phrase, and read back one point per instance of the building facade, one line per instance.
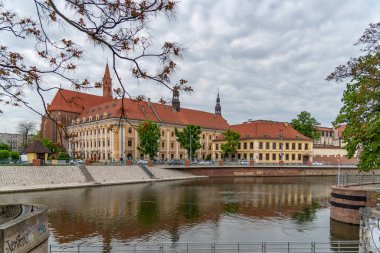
(15, 141)
(330, 136)
(105, 129)
(264, 141)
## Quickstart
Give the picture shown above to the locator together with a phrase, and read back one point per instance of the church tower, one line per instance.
(218, 108)
(176, 105)
(107, 83)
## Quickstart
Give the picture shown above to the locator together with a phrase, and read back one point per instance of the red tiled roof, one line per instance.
(326, 129)
(73, 101)
(143, 110)
(265, 129)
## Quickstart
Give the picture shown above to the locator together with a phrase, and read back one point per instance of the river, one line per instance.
(203, 210)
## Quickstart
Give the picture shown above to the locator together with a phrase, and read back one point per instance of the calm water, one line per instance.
(233, 209)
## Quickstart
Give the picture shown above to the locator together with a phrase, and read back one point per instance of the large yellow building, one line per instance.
(267, 142)
(103, 128)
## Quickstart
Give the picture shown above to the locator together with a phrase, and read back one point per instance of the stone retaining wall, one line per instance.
(267, 171)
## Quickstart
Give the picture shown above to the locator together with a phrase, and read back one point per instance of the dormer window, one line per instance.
(83, 120)
(90, 119)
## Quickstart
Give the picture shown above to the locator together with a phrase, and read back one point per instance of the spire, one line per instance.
(218, 108)
(176, 104)
(107, 83)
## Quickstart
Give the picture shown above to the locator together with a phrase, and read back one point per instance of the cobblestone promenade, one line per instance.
(25, 178)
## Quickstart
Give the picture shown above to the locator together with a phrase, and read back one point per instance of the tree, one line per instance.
(4, 146)
(361, 101)
(120, 28)
(232, 141)
(4, 154)
(306, 125)
(189, 138)
(53, 147)
(149, 133)
(26, 128)
(63, 156)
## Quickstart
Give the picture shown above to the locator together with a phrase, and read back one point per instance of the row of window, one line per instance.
(274, 146)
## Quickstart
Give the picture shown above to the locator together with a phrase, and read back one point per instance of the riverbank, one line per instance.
(41, 178)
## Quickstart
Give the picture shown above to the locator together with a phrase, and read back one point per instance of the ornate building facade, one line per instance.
(264, 141)
(103, 128)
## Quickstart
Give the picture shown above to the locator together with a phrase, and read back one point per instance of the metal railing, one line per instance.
(357, 179)
(217, 247)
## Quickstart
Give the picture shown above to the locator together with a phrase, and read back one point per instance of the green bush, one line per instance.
(14, 155)
(4, 154)
(63, 156)
(4, 146)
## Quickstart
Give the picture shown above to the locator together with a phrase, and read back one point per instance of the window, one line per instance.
(162, 156)
(172, 134)
(172, 156)
(210, 137)
(245, 145)
(239, 146)
(103, 130)
(267, 157)
(108, 143)
(129, 130)
(216, 156)
(267, 145)
(260, 157)
(239, 156)
(203, 137)
(287, 146)
(104, 143)
(162, 144)
(274, 158)
(163, 133)
(209, 147)
(299, 146)
(281, 146)
(216, 146)
(260, 145)
(293, 157)
(287, 157)
(251, 145)
(203, 146)
(306, 146)
(274, 145)
(299, 157)
(129, 143)
(172, 145)
(251, 156)
(245, 156)
(293, 146)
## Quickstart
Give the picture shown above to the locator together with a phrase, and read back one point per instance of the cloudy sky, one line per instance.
(268, 59)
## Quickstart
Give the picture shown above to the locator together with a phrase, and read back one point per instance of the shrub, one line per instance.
(14, 155)
(4, 154)
(63, 156)
(4, 146)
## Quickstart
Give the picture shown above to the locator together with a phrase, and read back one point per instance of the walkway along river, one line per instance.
(202, 210)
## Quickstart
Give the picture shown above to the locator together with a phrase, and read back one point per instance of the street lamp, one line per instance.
(191, 150)
(338, 159)
(281, 144)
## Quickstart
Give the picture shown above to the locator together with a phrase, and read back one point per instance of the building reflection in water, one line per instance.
(182, 211)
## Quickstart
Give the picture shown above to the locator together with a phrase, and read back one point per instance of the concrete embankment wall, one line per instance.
(267, 171)
(346, 202)
(28, 178)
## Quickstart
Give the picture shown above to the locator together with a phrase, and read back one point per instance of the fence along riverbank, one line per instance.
(216, 247)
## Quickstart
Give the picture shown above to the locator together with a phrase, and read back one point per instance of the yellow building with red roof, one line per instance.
(95, 130)
(268, 142)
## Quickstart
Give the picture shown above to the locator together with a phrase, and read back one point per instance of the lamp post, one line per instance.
(281, 144)
(191, 150)
(338, 159)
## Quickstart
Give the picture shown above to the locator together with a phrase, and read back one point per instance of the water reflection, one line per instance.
(228, 209)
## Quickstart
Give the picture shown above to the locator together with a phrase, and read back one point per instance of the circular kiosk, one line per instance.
(23, 228)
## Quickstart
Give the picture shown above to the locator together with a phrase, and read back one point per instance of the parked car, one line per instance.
(76, 161)
(206, 162)
(175, 162)
(156, 161)
(244, 162)
(317, 163)
(142, 162)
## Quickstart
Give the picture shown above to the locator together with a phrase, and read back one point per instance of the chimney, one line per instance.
(176, 105)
